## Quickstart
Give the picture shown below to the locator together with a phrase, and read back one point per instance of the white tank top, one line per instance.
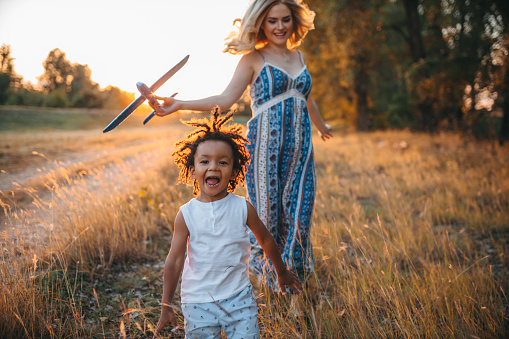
(216, 265)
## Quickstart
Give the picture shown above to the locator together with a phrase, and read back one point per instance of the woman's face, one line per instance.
(278, 24)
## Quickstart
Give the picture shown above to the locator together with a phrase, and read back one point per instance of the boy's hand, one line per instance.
(289, 279)
(167, 316)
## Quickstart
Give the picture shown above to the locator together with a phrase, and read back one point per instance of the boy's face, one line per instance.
(213, 169)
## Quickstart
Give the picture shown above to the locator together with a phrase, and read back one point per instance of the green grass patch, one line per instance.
(24, 119)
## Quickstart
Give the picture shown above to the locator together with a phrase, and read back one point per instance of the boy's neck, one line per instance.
(208, 198)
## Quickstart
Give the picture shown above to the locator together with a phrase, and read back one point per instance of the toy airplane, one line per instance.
(145, 90)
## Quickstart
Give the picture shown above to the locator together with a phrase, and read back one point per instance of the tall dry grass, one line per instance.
(409, 242)
(86, 220)
(410, 233)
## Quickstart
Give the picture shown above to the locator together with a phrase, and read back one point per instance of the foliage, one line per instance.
(113, 97)
(4, 86)
(63, 83)
(428, 65)
(58, 72)
(8, 77)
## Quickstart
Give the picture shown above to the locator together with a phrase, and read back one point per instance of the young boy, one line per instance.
(216, 292)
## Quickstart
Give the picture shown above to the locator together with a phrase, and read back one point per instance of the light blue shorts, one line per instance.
(237, 316)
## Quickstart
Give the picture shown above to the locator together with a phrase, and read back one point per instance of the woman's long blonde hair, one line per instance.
(250, 37)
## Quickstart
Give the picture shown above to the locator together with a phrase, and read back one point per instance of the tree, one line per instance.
(114, 98)
(419, 63)
(84, 92)
(58, 72)
(6, 61)
(350, 60)
(450, 44)
(82, 79)
(329, 63)
(9, 79)
(68, 84)
(418, 53)
(502, 8)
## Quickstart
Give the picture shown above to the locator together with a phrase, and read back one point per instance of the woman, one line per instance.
(280, 180)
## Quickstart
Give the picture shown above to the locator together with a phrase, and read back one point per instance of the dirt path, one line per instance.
(30, 174)
(26, 193)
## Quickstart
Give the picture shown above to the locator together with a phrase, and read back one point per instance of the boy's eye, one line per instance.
(223, 163)
(204, 162)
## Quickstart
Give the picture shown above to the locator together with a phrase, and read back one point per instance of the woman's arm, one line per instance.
(285, 277)
(172, 269)
(239, 82)
(316, 119)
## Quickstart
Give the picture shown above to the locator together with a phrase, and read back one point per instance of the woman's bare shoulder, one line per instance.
(252, 61)
(253, 58)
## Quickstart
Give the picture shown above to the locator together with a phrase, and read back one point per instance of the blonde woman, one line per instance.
(280, 179)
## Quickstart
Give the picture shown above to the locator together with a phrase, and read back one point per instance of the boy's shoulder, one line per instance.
(239, 199)
(234, 196)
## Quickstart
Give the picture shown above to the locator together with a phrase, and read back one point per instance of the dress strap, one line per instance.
(263, 56)
(301, 58)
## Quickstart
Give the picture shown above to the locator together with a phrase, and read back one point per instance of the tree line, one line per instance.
(428, 65)
(63, 84)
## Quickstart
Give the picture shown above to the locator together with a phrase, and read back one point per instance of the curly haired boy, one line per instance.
(215, 291)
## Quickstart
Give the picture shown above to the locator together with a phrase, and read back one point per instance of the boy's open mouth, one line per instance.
(212, 181)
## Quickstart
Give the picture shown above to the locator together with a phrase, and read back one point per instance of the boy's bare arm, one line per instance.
(285, 277)
(172, 269)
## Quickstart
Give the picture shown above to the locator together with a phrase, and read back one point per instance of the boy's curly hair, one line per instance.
(213, 129)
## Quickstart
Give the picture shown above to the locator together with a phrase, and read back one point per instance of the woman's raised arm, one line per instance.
(239, 82)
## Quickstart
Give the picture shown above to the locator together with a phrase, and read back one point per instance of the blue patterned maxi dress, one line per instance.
(281, 177)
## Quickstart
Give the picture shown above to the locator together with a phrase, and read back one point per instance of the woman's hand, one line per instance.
(289, 279)
(167, 316)
(170, 105)
(325, 133)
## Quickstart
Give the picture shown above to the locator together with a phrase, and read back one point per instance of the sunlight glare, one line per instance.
(124, 42)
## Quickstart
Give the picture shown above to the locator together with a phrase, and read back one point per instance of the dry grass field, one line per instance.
(411, 235)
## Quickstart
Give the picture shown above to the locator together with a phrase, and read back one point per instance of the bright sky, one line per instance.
(126, 41)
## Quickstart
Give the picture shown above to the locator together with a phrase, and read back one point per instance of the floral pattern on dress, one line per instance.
(281, 179)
